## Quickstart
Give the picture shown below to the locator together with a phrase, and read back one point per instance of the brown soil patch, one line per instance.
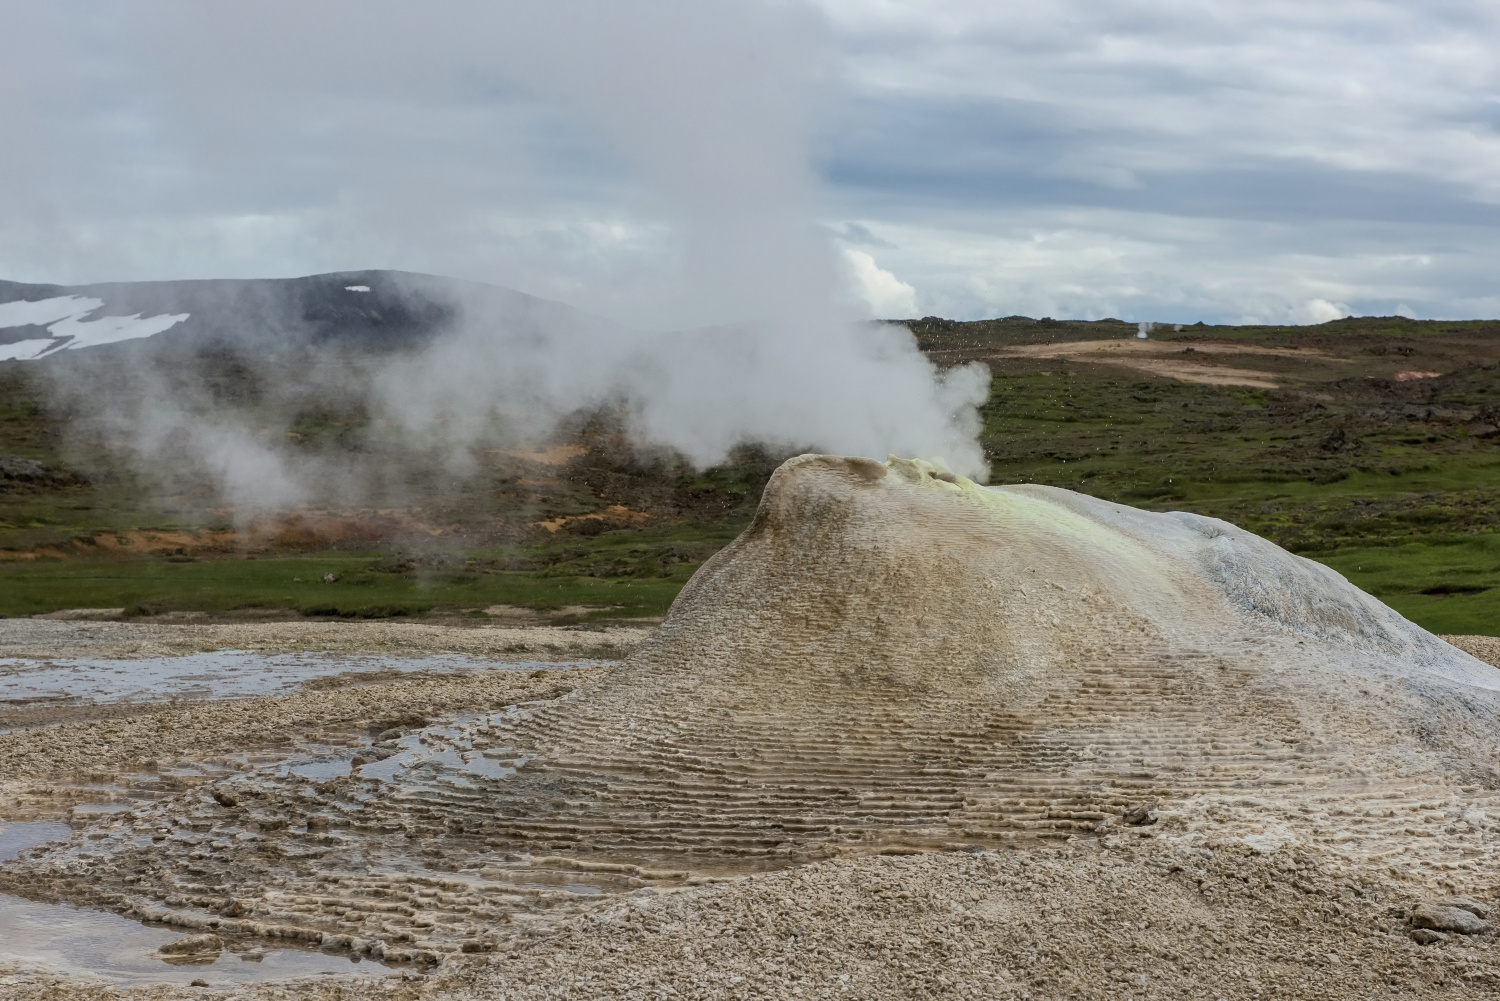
(149, 542)
(556, 455)
(297, 532)
(321, 529)
(1172, 359)
(1204, 374)
(615, 514)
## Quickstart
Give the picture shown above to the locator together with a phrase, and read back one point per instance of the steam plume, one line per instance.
(713, 110)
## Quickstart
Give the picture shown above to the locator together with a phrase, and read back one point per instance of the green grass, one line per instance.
(1445, 587)
(1391, 483)
(1395, 484)
(363, 588)
(623, 573)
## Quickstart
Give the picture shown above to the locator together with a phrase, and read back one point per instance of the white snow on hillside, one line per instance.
(63, 317)
(43, 311)
(25, 350)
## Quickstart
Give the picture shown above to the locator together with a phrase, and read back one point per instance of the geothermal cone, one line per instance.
(889, 659)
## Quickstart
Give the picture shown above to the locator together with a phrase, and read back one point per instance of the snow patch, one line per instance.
(356, 288)
(25, 350)
(44, 311)
(64, 319)
(109, 329)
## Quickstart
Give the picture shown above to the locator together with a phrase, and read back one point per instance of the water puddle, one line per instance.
(94, 943)
(16, 838)
(80, 942)
(221, 674)
(319, 769)
(446, 753)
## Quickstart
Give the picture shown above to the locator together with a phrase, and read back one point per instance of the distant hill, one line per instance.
(375, 309)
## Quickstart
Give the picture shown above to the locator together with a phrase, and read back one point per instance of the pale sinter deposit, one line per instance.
(1134, 752)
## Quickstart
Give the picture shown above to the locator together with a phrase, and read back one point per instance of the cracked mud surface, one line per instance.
(851, 764)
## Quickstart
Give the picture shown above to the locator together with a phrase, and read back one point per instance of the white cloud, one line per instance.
(1372, 85)
(1096, 263)
(1320, 311)
(885, 296)
(377, 135)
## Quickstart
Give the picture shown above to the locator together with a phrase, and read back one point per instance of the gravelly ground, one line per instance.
(1164, 911)
(1486, 648)
(1139, 919)
(54, 638)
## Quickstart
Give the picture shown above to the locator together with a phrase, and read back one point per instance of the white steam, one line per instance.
(716, 105)
(857, 388)
(713, 108)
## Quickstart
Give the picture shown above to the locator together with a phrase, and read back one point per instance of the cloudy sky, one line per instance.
(1232, 161)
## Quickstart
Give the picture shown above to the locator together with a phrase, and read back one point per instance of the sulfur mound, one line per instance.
(947, 662)
(890, 659)
(906, 575)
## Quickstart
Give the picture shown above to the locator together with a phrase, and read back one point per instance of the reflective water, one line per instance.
(70, 940)
(221, 674)
(446, 752)
(93, 943)
(319, 770)
(16, 838)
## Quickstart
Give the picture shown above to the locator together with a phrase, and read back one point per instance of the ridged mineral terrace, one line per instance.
(889, 660)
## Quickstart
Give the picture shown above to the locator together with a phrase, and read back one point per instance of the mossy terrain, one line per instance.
(349, 585)
(1372, 445)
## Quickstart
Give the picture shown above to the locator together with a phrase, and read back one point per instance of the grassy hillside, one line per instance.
(1394, 482)
(1372, 445)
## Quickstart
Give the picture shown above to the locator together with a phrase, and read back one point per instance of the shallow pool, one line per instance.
(221, 674)
(94, 943)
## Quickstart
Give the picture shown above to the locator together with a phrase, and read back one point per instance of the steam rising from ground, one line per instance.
(507, 373)
(861, 388)
(714, 108)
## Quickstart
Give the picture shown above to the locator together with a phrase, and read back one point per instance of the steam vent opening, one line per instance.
(890, 660)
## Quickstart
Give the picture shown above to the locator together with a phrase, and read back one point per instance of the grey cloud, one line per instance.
(996, 154)
(174, 139)
(1229, 161)
(857, 235)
